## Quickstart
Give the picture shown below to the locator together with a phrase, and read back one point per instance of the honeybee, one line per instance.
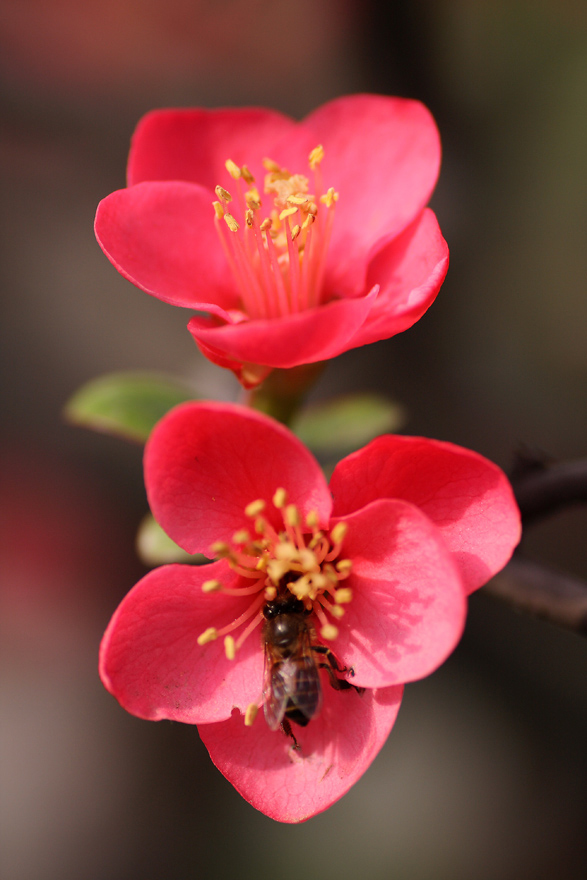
(292, 689)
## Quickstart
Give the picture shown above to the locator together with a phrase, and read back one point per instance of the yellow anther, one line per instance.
(337, 611)
(275, 180)
(295, 232)
(312, 519)
(329, 631)
(260, 525)
(261, 564)
(332, 577)
(316, 156)
(211, 586)
(251, 714)
(270, 594)
(287, 212)
(285, 550)
(280, 498)
(253, 199)
(229, 647)
(312, 209)
(222, 194)
(329, 198)
(308, 560)
(338, 533)
(241, 537)
(344, 566)
(291, 515)
(343, 596)
(254, 508)
(220, 548)
(270, 165)
(246, 175)
(297, 200)
(301, 588)
(231, 222)
(319, 581)
(265, 225)
(208, 636)
(219, 210)
(308, 220)
(233, 169)
(249, 217)
(318, 536)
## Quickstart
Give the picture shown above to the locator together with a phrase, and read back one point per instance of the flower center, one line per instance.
(300, 559)
(278, 261)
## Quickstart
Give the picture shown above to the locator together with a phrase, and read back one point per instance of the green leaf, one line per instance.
(347, 423)
(126, 404)
(155, 547)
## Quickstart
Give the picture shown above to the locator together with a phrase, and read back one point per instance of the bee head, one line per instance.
(287, 604)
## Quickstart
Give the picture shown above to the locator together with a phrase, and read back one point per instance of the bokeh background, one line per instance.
(485, 773)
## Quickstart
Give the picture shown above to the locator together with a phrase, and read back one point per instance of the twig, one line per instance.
(540, 591)
(541, 489)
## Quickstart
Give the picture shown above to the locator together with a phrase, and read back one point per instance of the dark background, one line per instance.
(485, 773)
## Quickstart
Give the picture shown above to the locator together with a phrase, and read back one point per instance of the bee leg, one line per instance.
(286, 728)
(338, 668)
(339, 684)
(333, 666)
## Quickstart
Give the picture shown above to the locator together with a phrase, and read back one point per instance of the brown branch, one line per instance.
(545, 593)
(541, 489)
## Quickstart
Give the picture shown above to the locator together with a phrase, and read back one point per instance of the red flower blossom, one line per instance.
(292, 268)
(380, 562)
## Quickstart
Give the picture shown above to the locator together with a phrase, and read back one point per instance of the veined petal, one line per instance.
(150, 659)
(303, 338)
(408, 601)
(383, 156)
(161, 237)
(194, 144)
(468, 497)
(205, 462)
(409, 271)
(336, 748)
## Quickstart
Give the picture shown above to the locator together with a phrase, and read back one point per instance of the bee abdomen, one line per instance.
(294, 714)
(302, 707)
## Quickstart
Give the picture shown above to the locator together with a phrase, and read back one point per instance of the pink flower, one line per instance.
(380, 562)
(292, 268)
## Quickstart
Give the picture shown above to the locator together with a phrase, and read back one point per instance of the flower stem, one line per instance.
(283, 391)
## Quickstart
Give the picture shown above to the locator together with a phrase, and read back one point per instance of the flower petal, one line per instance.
(382, 155)
(194, 144)
(162, 237)
(336, 748)
(150, 659)
(249, 375)
(409, 605)
(409, 271)
(303, 338)
(468, 497)
(205, 462)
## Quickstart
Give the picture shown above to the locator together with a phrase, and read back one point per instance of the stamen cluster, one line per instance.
(301, 558)
(278, 262)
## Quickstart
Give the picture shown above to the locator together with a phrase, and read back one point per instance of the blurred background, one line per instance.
(485, 773)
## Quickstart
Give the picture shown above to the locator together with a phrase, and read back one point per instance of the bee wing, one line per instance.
(307, 697)
(279, 688)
